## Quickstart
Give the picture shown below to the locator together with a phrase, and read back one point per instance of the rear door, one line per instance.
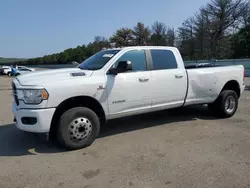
(169, 80)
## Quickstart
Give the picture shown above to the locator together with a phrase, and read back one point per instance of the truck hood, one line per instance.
(55, 75)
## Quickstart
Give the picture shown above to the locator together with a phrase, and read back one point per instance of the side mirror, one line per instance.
(123, 66)
(126, 64)
(112, 71)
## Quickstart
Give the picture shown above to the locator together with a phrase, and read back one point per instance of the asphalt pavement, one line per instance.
(178, 148)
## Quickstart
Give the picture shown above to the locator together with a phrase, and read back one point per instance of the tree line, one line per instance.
(218, 30)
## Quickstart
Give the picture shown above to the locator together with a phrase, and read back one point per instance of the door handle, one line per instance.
(143, 79)
(178, 76)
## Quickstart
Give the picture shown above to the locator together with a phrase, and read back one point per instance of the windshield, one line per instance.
(98, 60)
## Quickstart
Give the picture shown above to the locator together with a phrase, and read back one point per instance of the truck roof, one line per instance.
(142, 47)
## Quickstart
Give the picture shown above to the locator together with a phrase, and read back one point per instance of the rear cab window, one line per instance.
(163, 59)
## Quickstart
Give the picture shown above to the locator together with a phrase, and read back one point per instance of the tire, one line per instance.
(9, 73)
(225, 105)
(73, 126)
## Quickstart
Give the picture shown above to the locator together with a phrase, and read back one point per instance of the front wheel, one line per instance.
(225, 105)
(78, 128)
(9, 74)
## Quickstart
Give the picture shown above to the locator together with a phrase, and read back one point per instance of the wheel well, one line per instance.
(234, 86)
(78, 101)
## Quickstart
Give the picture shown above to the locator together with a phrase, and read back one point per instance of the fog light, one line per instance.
(29, 120)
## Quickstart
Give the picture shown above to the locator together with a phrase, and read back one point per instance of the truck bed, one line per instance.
(200, 65)
(206, 82)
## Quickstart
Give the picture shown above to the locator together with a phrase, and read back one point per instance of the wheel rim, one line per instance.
(79, 129)
(230, 104)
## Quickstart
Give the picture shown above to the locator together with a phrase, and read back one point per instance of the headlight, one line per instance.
(32, 96)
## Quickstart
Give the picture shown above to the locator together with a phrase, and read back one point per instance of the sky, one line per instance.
(30, 28)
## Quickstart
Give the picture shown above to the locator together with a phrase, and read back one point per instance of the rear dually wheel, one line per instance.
(225, 105)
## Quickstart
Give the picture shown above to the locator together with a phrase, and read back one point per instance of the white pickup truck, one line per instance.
(71, 104)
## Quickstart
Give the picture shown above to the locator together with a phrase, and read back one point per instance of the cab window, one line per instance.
(137, 58)
(163, 59)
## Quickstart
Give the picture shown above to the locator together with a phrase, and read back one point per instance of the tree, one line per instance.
(141, 34)
(122, 37)
(159, 36)
(246, 14)
(201, 32)
(224, 16)
(187, 38)
(170, 37)
(100, 43)
(241, 43)
(207, 34)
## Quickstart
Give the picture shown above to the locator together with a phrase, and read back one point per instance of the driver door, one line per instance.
(129, 92)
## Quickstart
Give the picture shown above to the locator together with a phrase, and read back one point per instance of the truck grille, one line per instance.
(15, 93)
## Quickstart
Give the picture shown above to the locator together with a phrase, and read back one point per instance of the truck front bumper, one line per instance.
(33, 120)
